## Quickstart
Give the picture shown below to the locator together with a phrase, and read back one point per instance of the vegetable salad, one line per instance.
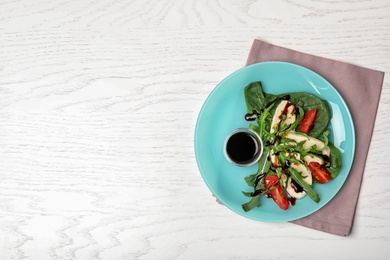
(297, 152)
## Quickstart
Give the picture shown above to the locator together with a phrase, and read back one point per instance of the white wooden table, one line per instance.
(98, 104)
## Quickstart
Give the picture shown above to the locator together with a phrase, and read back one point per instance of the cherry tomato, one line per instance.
(319, 173)
(307, 122)
(279, 195)
(270, 181)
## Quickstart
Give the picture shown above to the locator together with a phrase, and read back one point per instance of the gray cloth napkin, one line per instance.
(361, 89)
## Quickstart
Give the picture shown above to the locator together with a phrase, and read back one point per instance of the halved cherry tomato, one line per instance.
(279, 195)
(307, 122)
(319, 173)
(270, 181)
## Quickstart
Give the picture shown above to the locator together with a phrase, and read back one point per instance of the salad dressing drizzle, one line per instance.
(291, 200)
(254, 115)
(297, 188)
(285, 110)
(258, 179)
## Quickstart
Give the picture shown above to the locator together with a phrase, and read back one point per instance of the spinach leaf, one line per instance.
(335, 161)
(257, 100)
(254, 97)
(308, 102)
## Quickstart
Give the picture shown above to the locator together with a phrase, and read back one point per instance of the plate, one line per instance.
(224, 110)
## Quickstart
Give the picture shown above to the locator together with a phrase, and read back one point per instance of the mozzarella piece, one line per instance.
(310, 141)
(291, 191)
(280, 109)
(305, 172)
(306, 175)
(284, 179)
(274, 159)
(313, 158)
(295, 155)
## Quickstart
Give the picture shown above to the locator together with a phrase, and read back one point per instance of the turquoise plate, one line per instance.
(224, 111)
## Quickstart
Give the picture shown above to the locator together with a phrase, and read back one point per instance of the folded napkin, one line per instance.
(358, 86)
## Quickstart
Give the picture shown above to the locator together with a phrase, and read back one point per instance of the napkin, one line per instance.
(360, 88)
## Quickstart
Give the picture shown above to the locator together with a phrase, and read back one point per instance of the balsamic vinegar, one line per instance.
(242, 148)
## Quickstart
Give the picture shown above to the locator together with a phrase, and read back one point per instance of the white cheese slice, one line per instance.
(310, 141)
(313, 158)
(284, 179)
(277, 118)
(305, 172)
(306, 175)
(274, 159)
(291, 191)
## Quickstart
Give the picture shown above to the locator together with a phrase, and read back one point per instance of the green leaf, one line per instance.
(325, 139)
(257, 100)
(296, 175)
(247, 193)
(264, 164)
(294, 125)
(263, 123)
(254, 128)
(287, 141)
(335, 161)
(299, 146)
(308, 102)
(254, 202)
(250, 180)
(254, 97)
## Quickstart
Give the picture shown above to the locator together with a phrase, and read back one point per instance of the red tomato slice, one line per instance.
(319, 173)
(279, 196)
(307, 122)
(270, 181)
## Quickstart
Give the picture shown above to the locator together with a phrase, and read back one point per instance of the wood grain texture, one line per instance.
(98, 104)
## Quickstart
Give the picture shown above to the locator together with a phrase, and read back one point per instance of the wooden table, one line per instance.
(98, 104)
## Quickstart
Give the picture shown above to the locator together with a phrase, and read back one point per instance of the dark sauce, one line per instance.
(288, 105)
(287, 164)
(252, 116)
(258, 179)
(270, 143)
(297, 188)
(256, 192)
(285, 109)
(292, 200)
(324, 157)
(242, 148)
